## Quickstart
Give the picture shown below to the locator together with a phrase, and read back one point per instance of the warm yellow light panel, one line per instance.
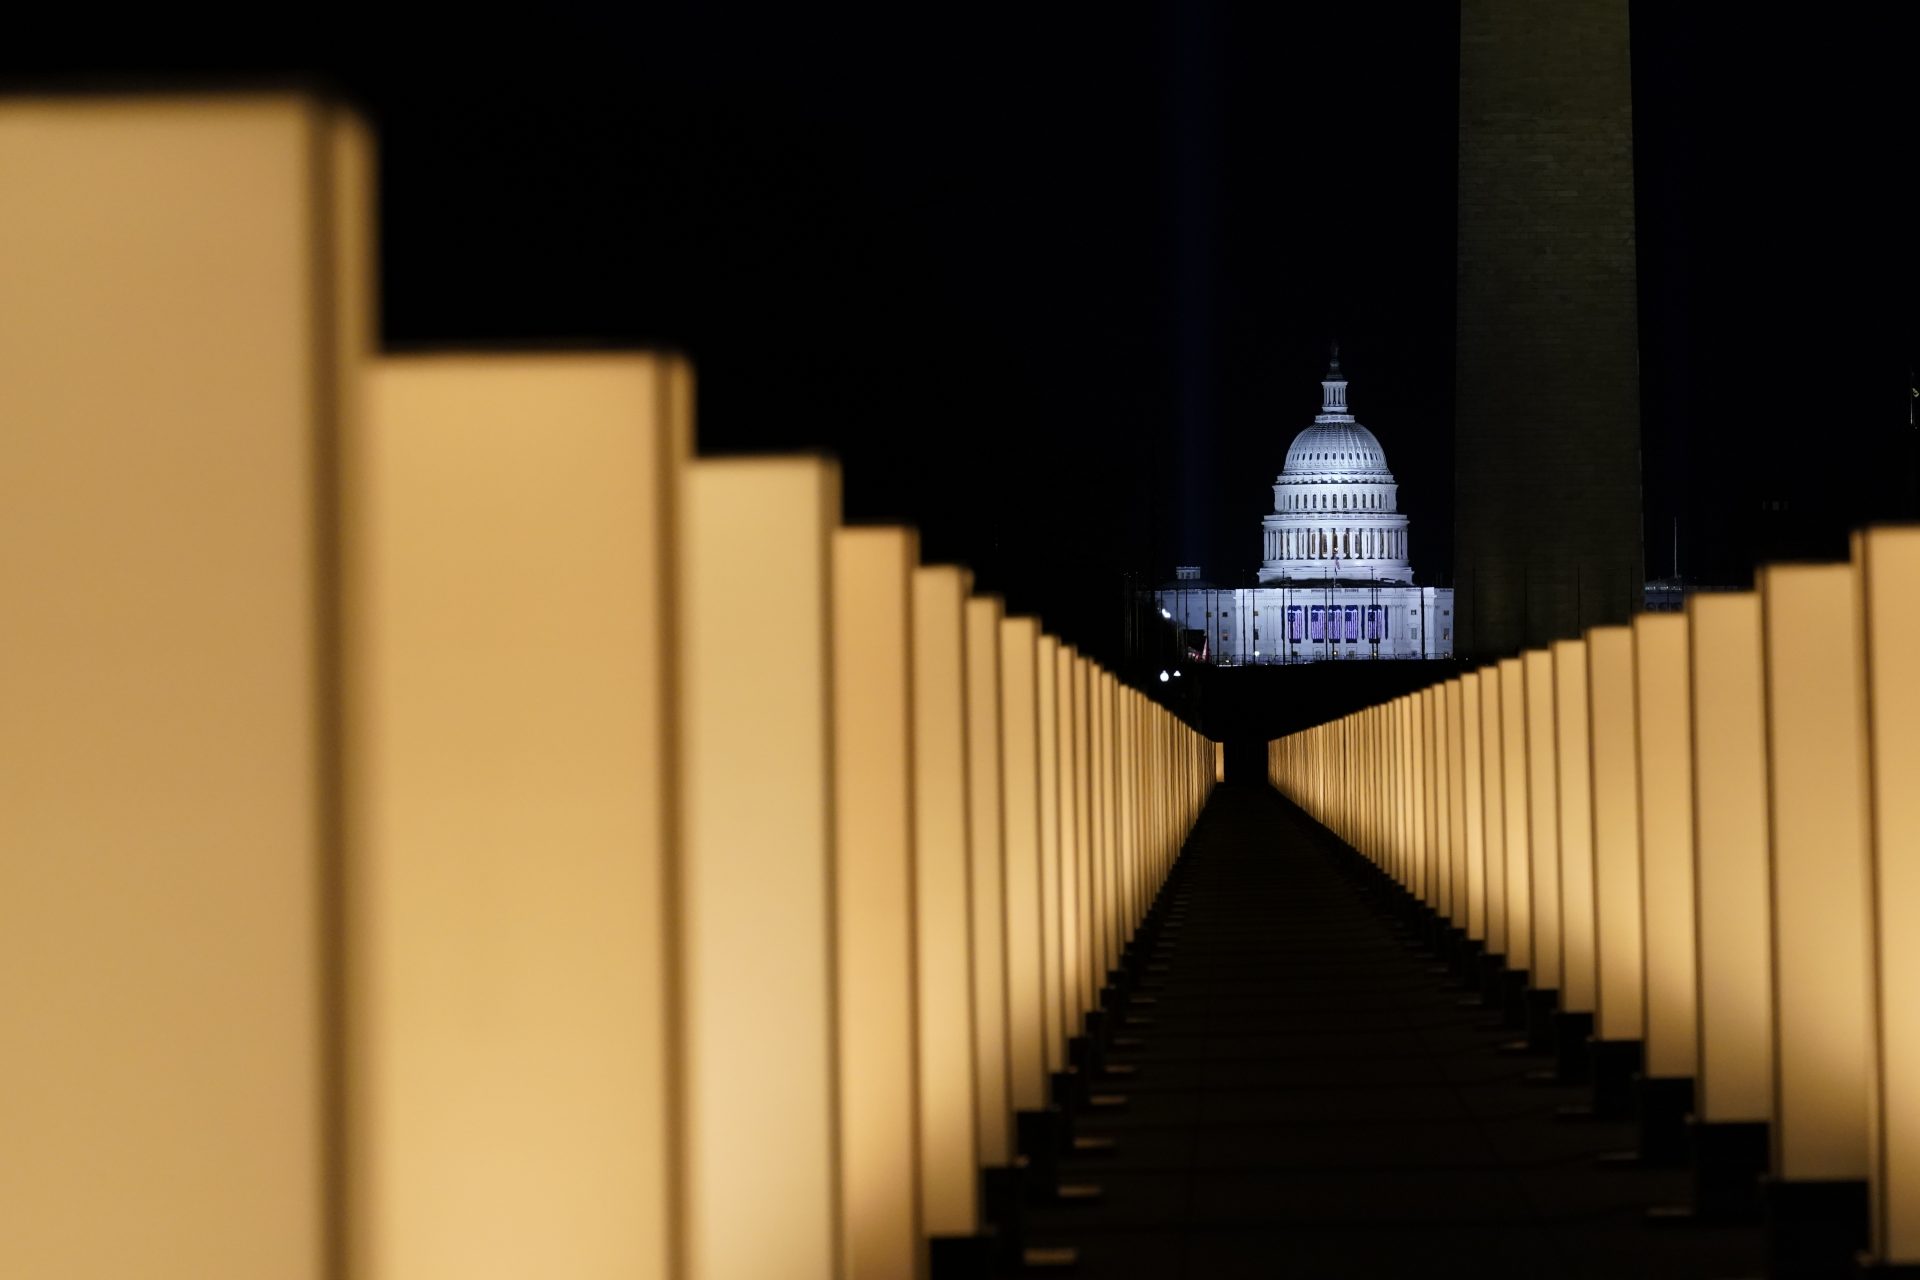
(507, 655)
(1473, 799)
(1456, 799)
(987, 880)
(1543, 821)
(1052, 853)
(1573, 765)
(1733, 908)
(1423, 789)
(183, 290)
(949, 1150)
(1020, 773)
(756, 913)
(1071, 692)
(1616, 834)
(1889, 563)
(1104, 808)
(1666, 843)
(873, 807)
(1442, 799)
(1513, 788)
(1816, 780)
(1493, 806)
(1219, 762)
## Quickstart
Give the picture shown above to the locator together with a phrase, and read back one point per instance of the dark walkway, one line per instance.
(1313, 1099)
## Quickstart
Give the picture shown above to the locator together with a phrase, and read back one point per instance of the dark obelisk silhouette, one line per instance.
(1547, 390)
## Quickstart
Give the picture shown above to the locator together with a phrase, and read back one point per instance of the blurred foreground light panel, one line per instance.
(1619, 1014)
(1543, 820)
(1816, 779)
(755, 895)
(1666, 845)
(985, 827)
(873, 884)
(1735, 957)
(1889, 562)
(1020, 774)
(509, 636)
(187, 287)
(949, 1151)
(1574, 799)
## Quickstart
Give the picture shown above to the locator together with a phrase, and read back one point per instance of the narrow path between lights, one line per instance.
(1314, 1097)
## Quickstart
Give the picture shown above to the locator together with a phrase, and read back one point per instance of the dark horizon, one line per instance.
(1057, 286)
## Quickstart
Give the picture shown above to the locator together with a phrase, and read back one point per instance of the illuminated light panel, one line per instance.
(1543, 819)
(1816, 779)
(1734, 951)
(1070, 690)
(756, 911)
(949, 1151)
(1493, 771)
(985, 827)
(1457, 799)
(1666, 844)
(1475, 807)
(1616, 834)
(1052, 856)
(187, 285)
(873, 743)
(508, 661)
(1442, 796)
(1423, 792)
(1513, 789)
(1020, 649)
(1573, 761)
(1889, 563)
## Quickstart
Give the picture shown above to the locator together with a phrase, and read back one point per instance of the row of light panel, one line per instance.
(448, 830)
(1703, 830)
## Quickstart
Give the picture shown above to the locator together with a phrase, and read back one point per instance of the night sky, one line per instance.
(1056, 282)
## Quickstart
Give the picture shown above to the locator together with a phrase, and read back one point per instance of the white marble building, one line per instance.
(1335, 580)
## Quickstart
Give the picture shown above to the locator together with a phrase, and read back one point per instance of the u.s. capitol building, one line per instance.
(1335, 581)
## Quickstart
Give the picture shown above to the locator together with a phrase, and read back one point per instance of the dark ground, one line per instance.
(1314, 1099)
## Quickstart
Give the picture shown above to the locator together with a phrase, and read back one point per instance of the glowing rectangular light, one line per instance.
(1493, 771)
(1457, 799)
(873, 740)
(1616, 834)
(756, 911)
(508, 586)
(1020, 667)
(1513, 788)
(1442, 799)
(1543, 817)
(1475, 807)
(1889, 564)
(1666, 843)
(1052, 856)
(1573, 762)
(1733, 917)
(949, 1150)
(1423, 782)
(985, 850)
(186, 285)
(1073, 839)
(1816, 778)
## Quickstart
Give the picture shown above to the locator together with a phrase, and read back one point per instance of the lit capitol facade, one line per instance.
(1335, 580)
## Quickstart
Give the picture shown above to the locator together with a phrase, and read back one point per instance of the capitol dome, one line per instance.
(1333, 449)
(1335, 505)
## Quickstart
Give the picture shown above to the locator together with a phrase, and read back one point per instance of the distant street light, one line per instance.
(1165, 614)
(1164, 677)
